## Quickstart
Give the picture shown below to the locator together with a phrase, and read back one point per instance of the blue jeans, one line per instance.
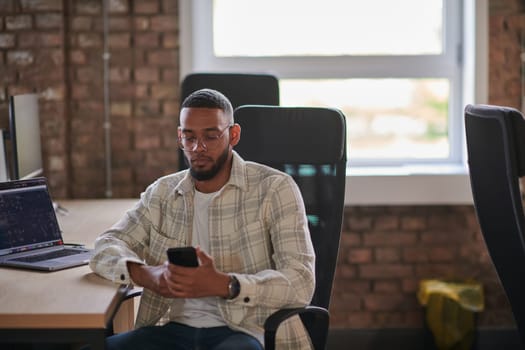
(176, 336)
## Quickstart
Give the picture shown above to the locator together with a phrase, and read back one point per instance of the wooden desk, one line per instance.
(70, 305)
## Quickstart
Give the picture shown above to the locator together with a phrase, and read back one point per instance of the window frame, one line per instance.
(369, 184)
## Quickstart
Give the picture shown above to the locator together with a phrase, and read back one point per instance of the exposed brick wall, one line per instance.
(506, 44)
(55, 47)
(143, 90)
(386, 250)
(32, 60)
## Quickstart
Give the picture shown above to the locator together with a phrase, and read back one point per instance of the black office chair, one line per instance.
(240, 88)
(496, 159)
(310, 145)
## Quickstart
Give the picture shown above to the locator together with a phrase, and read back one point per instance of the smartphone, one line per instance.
(183, 256)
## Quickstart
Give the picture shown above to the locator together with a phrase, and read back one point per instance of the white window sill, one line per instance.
(435, 185)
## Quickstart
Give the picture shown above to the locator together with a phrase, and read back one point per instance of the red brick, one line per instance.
(147, 108)
(147, 141)
(362, 319)
(53, 93)
(442, 253)
(359, 255)
(170, 41)
(160, 91)
(77, 57)
(119, 6)
(147, 40)
(359, 223)
(81, 23)
(88, 74)
(36, 5)
(440, 271)
(385, 271)
(444, 236)
(48, 20)
(121, 108)
(39, 39)
(170, 75)
(413, 223)
(119, 40)
(122, 57)
(7, 6)
(89, 7)
(386, 222)
(164, 23)
(18, 22)
(346, 271)
(414, 254)
(169, 6)
(384, 302)
(146, 7)
(141, 91)
(141, 23)
(147, 74)
(348, 301)
(162, 57)
(389, 239)
(20, 58)
(120, 24)
(387, 255)
(387, 286)
(80, 91)
(7, 40)
(87, 40)
(119, 74)
(122, 91)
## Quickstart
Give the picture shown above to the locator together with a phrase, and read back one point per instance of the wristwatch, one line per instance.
(234, 287)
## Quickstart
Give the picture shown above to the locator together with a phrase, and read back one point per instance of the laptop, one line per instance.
(30, 237)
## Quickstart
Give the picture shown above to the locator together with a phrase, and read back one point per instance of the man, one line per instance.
(248, 224)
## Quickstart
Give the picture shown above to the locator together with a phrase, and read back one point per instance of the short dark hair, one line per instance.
(208, 98)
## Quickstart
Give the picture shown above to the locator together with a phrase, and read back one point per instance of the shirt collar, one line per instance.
(237, 177)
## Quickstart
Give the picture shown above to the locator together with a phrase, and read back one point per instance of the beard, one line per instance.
(209, 174)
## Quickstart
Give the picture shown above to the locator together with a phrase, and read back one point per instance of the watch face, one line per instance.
(234, 287)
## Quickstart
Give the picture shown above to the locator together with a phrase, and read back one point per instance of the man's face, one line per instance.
(208, 130)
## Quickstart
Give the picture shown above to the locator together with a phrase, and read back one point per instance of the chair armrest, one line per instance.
(315, 319)
(126, 292)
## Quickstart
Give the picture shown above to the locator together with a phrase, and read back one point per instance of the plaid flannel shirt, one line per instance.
(258, 231)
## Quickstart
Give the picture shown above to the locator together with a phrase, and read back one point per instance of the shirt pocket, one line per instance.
(251, 248)
(159, 244)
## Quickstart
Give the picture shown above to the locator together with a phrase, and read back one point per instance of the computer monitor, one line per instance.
(24, 134)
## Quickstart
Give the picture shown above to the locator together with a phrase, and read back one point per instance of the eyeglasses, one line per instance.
(209, 141)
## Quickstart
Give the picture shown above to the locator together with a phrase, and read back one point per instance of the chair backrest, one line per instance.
(496, 159)
(310, 145)
(240, 88)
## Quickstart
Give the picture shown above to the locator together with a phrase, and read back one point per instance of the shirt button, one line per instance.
(247, 299)
(122, 277)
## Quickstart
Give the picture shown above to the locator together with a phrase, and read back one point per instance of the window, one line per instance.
(398, 70)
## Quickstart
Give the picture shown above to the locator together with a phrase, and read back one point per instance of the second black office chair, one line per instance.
(309, 144)
(240, 88)
(496, 159)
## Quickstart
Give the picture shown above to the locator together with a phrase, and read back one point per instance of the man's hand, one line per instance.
(173, 281)
(150, 277)
(197, 282)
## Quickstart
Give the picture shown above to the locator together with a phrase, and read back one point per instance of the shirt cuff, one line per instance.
(247, 294)
(121, 273)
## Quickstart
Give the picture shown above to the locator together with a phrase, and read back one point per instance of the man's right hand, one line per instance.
(150, 277)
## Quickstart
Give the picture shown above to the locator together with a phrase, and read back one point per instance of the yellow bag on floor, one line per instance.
(450, 308)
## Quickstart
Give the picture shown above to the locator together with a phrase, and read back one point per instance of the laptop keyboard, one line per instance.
(48, 256)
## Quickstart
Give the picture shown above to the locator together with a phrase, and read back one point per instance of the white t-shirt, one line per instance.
(201, 312)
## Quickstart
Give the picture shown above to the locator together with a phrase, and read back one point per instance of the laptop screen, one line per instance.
(27, 217)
